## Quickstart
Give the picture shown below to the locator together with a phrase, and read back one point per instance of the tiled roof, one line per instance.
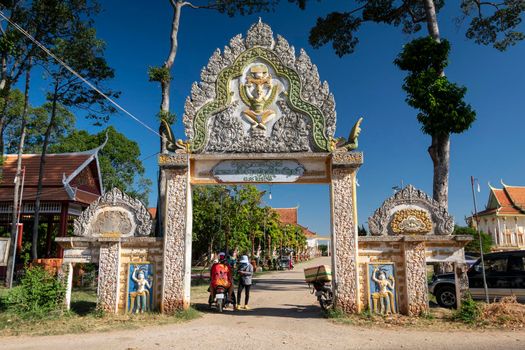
(307, 232)
(517, 196)
(57, 167)
(287, 215)
(511, 201)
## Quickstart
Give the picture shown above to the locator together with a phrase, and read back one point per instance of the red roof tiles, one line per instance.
(511, 201)
(287, 215)
(57, 166)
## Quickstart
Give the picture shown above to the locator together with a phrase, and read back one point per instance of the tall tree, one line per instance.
(36, 123)
(83, 52)
(120, 163)
(20, 150)
(499, 27)
(45, 21)
(162, 74)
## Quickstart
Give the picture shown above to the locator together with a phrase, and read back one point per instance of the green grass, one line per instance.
(84, 317)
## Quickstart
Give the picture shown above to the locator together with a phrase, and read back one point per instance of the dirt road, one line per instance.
(284, 316)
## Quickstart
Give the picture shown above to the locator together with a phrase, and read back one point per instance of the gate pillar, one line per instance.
(344, 229)
(177, 224)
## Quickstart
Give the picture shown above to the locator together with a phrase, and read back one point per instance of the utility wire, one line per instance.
(41, 46)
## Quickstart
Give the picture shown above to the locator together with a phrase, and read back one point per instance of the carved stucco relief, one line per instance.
(214, 116)
(108, 277)
(416, 278)
(174, 240)
(410, 198)
(345, 235)
(114, 213)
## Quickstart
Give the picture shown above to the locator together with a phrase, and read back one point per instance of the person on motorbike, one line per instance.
(221, 274)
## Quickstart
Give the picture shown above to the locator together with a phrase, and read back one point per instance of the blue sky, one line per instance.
(364, 84)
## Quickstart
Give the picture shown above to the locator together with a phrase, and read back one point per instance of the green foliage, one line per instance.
(491, 23)
(337, 28)
(494, 24)
(243, 7)
(469, 312)
(120, 162)
(340, 27)
(473, 246)
(440, 102)
(187, 315)
(39, 295)
(170, 118)
(37, 123)
(160, 74)
(84, 52)
(336, 313)
(235, 218)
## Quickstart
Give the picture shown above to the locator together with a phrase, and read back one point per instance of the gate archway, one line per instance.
(260, 114)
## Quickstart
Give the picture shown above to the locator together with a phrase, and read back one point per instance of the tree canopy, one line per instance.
(487, 23)
(473, 246)
(120, 162)
(440, 102)
(235, 219)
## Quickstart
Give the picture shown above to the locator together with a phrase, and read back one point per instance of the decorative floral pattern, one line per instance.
(411, 221)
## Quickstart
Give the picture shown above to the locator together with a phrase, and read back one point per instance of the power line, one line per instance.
(72, 71)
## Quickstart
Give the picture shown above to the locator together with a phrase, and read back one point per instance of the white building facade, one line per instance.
(504, 217)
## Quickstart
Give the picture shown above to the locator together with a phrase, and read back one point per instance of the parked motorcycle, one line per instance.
(323, 292)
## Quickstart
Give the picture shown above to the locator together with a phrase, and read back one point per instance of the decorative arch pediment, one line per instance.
(115, 214)
(410, 211)
(257, 96)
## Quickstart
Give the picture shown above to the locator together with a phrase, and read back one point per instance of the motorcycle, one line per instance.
(325, 295)
(221, 298)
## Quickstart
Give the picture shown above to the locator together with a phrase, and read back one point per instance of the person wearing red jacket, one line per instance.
(221, 274)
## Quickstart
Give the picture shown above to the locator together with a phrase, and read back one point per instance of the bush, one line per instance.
(473, 246)
(469, 312)
(39, 294)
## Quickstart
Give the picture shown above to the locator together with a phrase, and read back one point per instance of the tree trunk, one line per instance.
(164, 110)
(51, 125)
(440, 153)
(2, 127)
(440, 148)
(14, 221)
(432, 23)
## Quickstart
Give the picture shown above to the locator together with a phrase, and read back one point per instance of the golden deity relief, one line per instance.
(258, 93)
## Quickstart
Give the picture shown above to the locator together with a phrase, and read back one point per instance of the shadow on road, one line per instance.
(289, 310)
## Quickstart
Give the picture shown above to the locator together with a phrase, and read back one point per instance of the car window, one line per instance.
(496, 265)
(517, 264)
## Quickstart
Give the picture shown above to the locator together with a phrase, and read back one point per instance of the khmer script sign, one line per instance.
(258, 171)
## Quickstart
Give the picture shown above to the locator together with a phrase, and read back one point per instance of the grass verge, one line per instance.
(83, 318)
(506, 313)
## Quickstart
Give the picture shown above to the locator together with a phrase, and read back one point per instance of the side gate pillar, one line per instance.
(177, 231)
(344, 230)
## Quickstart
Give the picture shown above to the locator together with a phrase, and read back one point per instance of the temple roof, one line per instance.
(67, 177)
(287, 215)
(509, 200)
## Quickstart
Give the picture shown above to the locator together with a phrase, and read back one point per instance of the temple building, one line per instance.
(290, 216)
(504, 217)
(72, 181)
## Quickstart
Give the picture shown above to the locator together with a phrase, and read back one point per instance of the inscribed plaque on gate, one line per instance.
(258, 171)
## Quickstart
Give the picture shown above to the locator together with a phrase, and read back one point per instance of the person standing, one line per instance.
(245, 281)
